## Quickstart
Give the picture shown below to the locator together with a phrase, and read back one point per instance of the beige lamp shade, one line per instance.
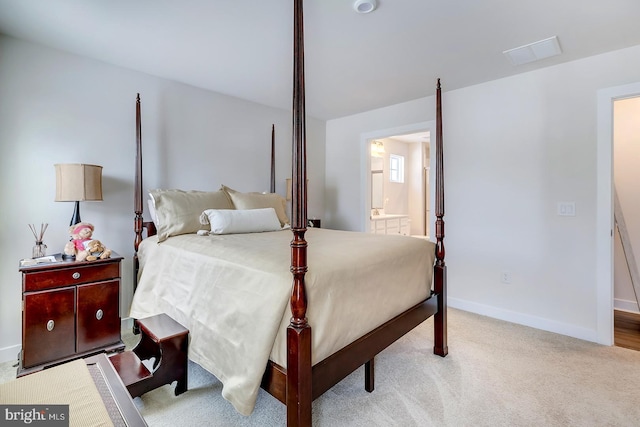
(78, 182)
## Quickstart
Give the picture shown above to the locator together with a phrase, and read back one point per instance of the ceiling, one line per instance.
(354, 62)
(413, 137)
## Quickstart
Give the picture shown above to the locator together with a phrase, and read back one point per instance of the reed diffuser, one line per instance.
(39, 249)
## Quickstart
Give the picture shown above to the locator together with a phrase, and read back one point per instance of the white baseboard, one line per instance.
(10, 353)
(525, 319)
(126, 323)
(626, 305)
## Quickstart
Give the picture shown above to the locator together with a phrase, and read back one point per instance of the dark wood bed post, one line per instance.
(440, 269)
(273, 159)
(137, 194)
(299, 374)
(138, 223)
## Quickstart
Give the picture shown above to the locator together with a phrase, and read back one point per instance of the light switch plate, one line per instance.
(567, 208)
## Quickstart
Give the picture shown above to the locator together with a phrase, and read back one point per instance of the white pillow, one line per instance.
(229, 221)
(152, 211)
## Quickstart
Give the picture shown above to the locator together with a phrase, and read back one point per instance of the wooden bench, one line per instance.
(166, 342)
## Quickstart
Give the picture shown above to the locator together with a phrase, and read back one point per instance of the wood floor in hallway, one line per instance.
(626, 329)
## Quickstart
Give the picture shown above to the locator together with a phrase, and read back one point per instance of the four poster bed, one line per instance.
(232, 288)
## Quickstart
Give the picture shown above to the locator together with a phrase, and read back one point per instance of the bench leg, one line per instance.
(183, 362)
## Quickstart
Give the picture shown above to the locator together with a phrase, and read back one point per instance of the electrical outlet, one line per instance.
(505, 277)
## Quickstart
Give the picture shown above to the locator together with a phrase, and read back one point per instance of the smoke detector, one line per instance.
(365, 6)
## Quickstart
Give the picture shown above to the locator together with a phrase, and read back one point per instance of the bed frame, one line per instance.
(300, 383)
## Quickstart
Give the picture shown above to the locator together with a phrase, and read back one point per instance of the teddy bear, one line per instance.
(80, 233)
(94, 249)
(82, 246)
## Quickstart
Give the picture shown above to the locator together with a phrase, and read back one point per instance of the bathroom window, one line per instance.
(396, 168)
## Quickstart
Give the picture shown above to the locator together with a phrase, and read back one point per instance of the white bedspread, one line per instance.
(232, 293)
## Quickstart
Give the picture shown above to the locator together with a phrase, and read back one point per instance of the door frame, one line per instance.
(604, 207)
(365, 166)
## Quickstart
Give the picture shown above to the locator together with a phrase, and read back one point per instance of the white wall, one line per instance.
(514, 148)
(60, 108)
(626, 159)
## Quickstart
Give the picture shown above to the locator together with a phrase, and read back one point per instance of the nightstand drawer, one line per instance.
(39, 280)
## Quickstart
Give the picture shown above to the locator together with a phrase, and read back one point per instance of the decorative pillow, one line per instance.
(229, 221)
(258, 201)
(178, 211)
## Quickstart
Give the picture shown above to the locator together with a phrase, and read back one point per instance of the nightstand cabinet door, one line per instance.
(98, 315)
(49, 326)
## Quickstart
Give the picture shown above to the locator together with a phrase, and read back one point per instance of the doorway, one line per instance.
(397, 181)
(626, 241)
(604, 214)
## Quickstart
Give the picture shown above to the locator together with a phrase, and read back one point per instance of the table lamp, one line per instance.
(77, 183)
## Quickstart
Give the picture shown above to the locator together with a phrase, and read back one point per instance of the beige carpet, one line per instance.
(496, 374)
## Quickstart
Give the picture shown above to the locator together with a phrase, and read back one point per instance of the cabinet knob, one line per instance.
(50, 325)
(76, 275)
(99, 314)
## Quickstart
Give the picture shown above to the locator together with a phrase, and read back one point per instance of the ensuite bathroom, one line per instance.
(400, 185)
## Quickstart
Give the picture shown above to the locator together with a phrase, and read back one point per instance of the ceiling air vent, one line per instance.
(534, 51)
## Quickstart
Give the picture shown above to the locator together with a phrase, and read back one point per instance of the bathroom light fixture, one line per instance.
(377, 148)
(365, 6)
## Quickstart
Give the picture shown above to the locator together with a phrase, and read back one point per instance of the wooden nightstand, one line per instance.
(69, 310)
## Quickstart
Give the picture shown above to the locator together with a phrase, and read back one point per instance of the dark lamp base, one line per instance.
(75, 219)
